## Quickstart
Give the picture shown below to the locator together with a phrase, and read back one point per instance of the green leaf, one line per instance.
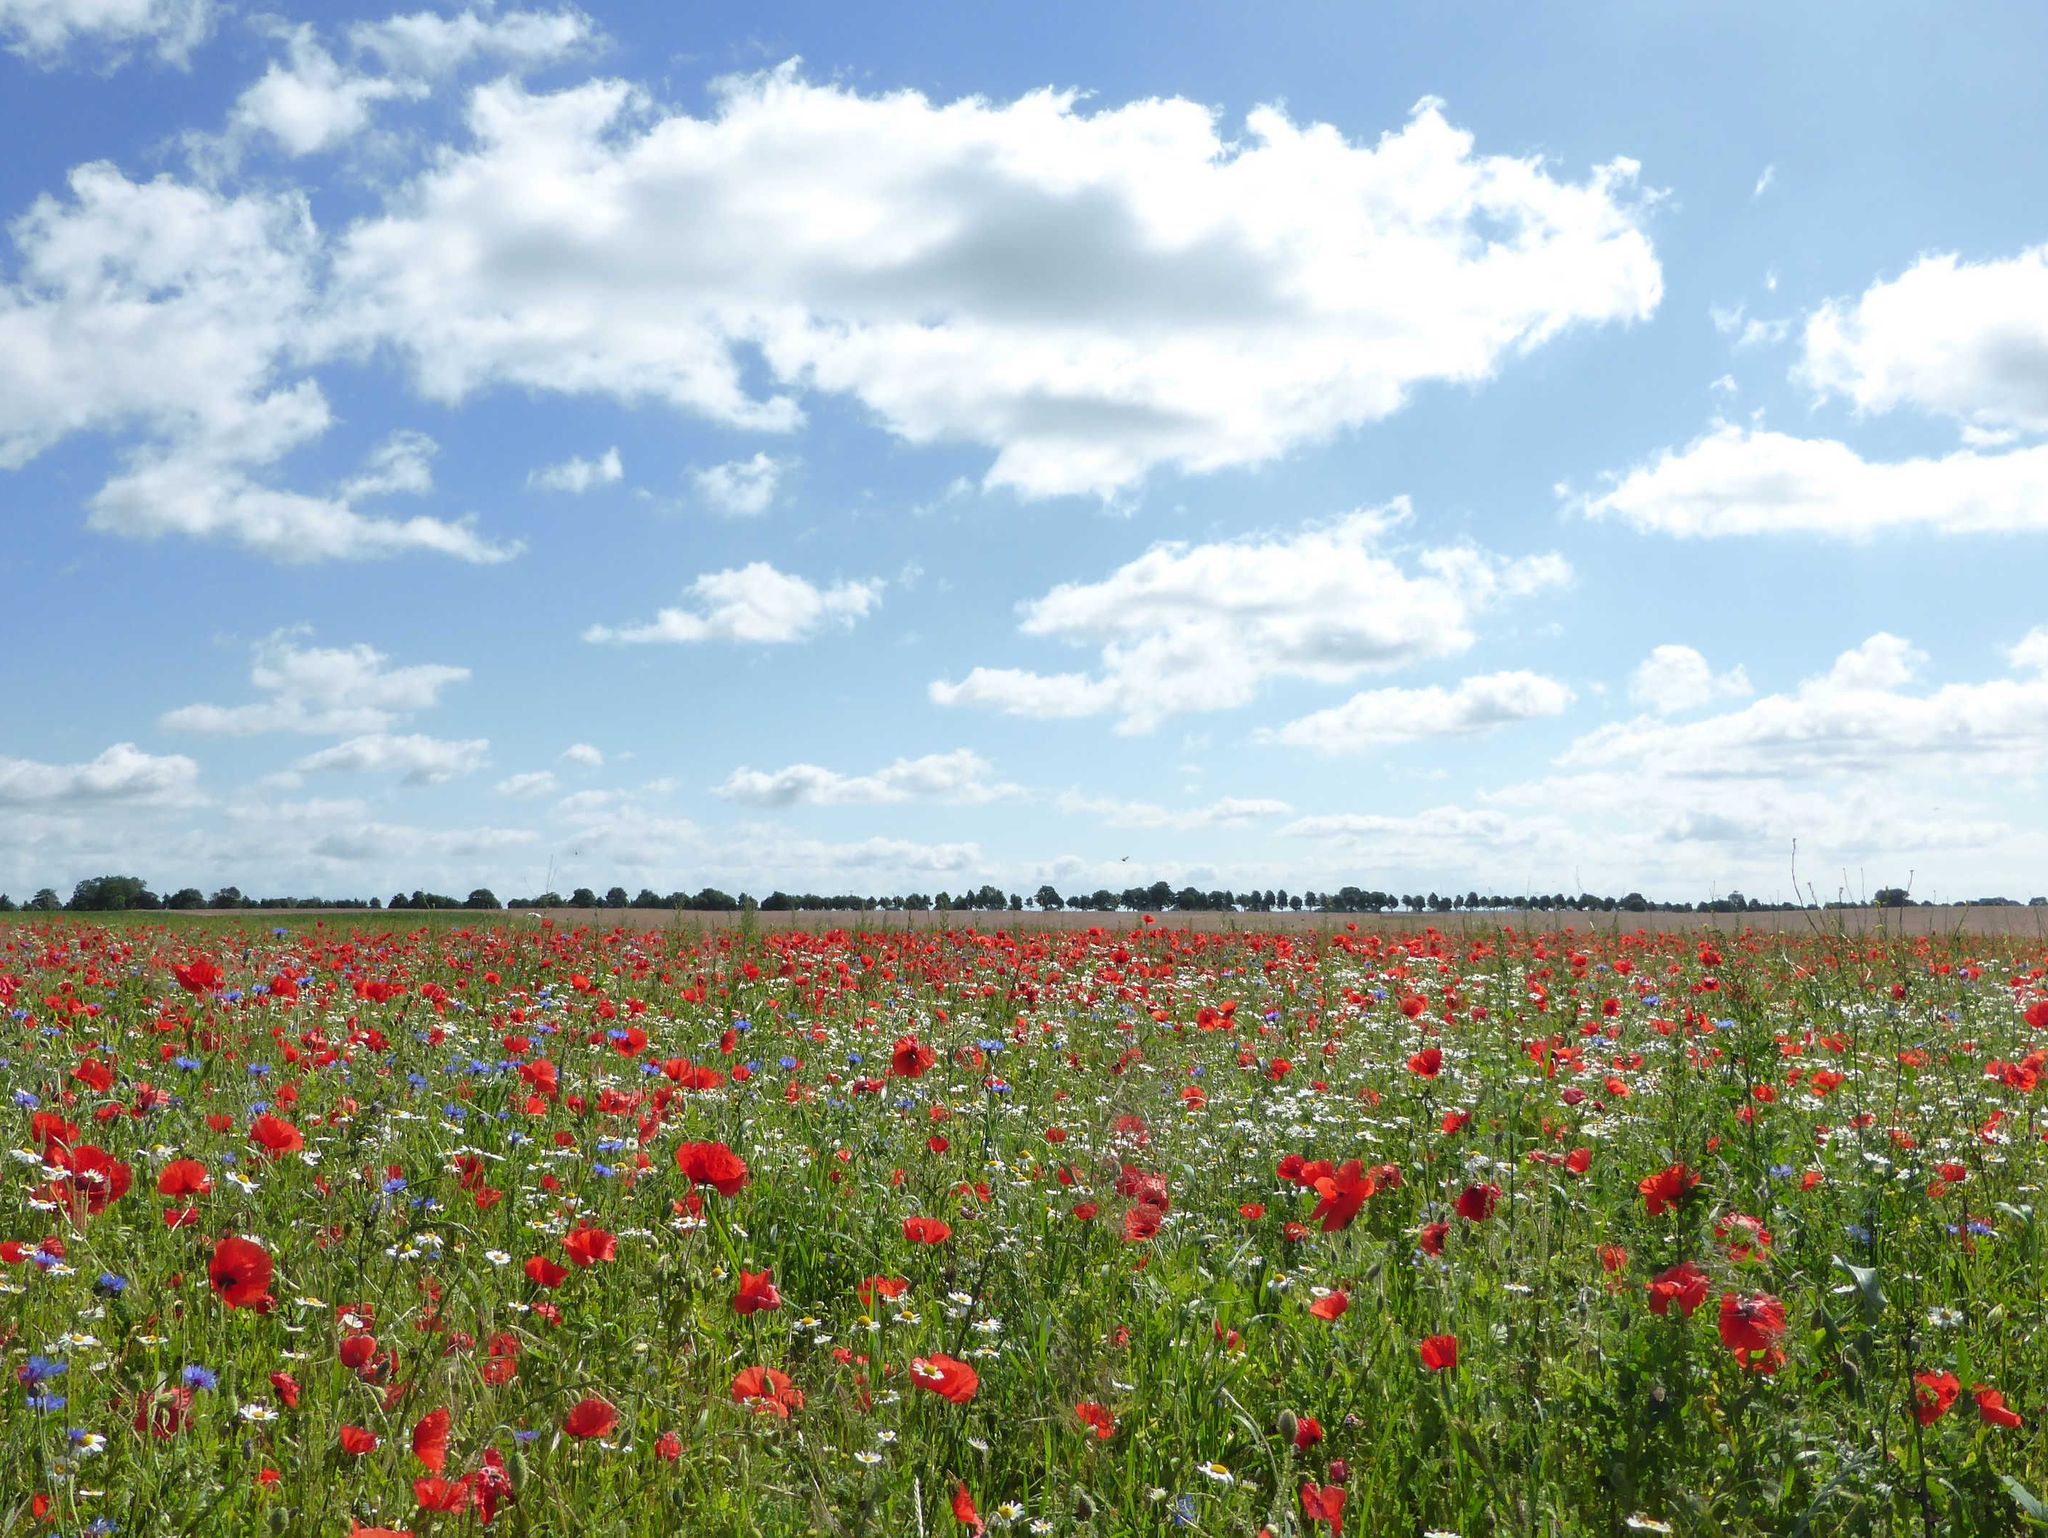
(2028, 1503)
(1870, 1296)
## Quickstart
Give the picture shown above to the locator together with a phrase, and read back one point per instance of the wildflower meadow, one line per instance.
(449, 1226)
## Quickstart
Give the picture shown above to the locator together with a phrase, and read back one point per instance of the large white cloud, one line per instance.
(122, 773)
(44, 30)
(1201, 627)
(1087, 294)
(1739, 480)
(1967, 340)
(417, 759)
(962, 777)
(752, 603)
(177, 312)
(1679, 678)
(321, 689)
(1861, 717)
(1378, 717)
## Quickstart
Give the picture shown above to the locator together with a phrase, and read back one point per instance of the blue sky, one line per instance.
(896, 448)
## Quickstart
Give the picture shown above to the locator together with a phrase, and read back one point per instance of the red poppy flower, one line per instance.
(1307, 1433)
(184, 1177)
(287, 1388)
(911, 1058)
(766, 1392)
(1750, 1327)
(1475, 1204)
(887, 1288)
(1325, 1504)
(1668, 1189)
(1432, 1237)
(1991, 1408)
(430, 1440)
(1934, 1393)
(757, 1292)
(590, 1418)
(1331, 1306)
(1427, 1063)
(356, 1442)
(587, 1246)
(1343, 1194)
(276, 1136)
(1140, 1223)
(713, 1165)
(543, 1272)
(1684, 1284)
(1097, 1419)
(668, 1447)
(241, 1273)
(1439, 1353)
(926, 1230)
(949, 1379)
(964, 1512)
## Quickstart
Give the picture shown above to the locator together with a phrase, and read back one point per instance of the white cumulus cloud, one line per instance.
(962, 777)
(1201, 627)
(1678, 678)
(752, 603)
(1378, 717)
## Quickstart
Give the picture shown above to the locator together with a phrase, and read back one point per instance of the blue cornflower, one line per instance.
(25, 1100)
(40, 1369)
(46, 1404)
(394, 1185)
(259, 1070)
(199, 1378)
(788, 1063)
(110, 1285)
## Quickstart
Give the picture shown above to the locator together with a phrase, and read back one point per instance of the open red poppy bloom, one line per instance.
(766, 1392)
(926, 1230)
(951, 1380)
(1332, 1306)
(240, 1272)
(1684, 1284)
(1934, 1393)
(1668, 1189)
(1475, 1204)
(1439, 1353)
(1325, 1504)
(964, 1512)
(430, 1440)
(275, 1136)
(757, 1293)
(713, 1165)
(587, 1246)
(911, 1058)
(183, 1177)
(543, 1272)
(590, 1418)
(1343, 1194)
(1097, 1419)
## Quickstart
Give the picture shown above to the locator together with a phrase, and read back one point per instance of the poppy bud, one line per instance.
(1084, 1506)
(1340, 1471)
(1289, 1427)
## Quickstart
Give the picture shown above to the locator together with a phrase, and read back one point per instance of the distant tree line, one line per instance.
(120, 894)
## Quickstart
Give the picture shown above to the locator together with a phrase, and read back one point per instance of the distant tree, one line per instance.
(226, 897)
(186, 897)
(482, 897)
(645, 898)
(1891, 897)
(583, 897)
(111, 894)
(1016, 903)
(45, 901)
(1048, 899)
(616, 898)
(7, 904)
